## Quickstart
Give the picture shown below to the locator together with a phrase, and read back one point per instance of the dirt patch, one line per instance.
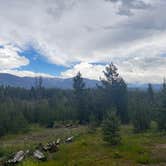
(159, 154)
(160, 146)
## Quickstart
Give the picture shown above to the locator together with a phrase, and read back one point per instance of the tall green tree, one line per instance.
(150, 94)
(162, 112)
(115, 92)
(78, 83)
(141, 118)
(39, 89)
(163, 94)
(79, 91)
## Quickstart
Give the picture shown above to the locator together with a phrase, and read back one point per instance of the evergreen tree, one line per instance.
(115, 92)
(141, 117)
(79, 91)
(78, 83)
(163, 95)
(111, 129)
(150, 94)
(39, 87)
(162, 113)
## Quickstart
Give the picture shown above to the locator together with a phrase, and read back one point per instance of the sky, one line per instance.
(58, 38)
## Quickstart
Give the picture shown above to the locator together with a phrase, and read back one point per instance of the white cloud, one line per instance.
(87, 70)
(129, 73)
(10, 58)
(132, 34)
(25, 73)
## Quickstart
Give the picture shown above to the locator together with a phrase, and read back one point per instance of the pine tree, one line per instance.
(162, 113)
(79, 91)
(141, 118)
(115, 92)
(39, 87)
(150, 94)
(163, 94)
(111, 129)
(78, 83)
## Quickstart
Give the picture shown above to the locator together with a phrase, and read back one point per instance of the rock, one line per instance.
(70, 139)
(39, 155)
(58, 141)
(18, 157)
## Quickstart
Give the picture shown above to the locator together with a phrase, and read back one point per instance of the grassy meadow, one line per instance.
(88, 147)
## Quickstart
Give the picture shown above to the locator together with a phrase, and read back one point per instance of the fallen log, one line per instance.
(39, 155)
(70, 139)
(18, 157)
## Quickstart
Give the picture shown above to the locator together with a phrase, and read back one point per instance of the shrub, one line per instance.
(111, 128)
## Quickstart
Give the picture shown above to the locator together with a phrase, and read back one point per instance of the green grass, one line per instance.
(88, 148)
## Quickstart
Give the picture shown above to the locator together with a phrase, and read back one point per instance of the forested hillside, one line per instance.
(21, 107)
(108, 106)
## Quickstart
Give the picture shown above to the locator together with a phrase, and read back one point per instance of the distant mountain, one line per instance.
(28, 82)
(156, 87)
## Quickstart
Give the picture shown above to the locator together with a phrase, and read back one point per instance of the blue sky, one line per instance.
(61, 37)
(39, 63)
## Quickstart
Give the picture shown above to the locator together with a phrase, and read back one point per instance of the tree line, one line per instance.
(111, 101)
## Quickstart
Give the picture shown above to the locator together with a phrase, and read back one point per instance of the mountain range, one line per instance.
(28, 82)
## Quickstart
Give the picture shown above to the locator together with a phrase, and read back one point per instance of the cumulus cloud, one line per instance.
(10, 58)
(87, 70)
(131, 33)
